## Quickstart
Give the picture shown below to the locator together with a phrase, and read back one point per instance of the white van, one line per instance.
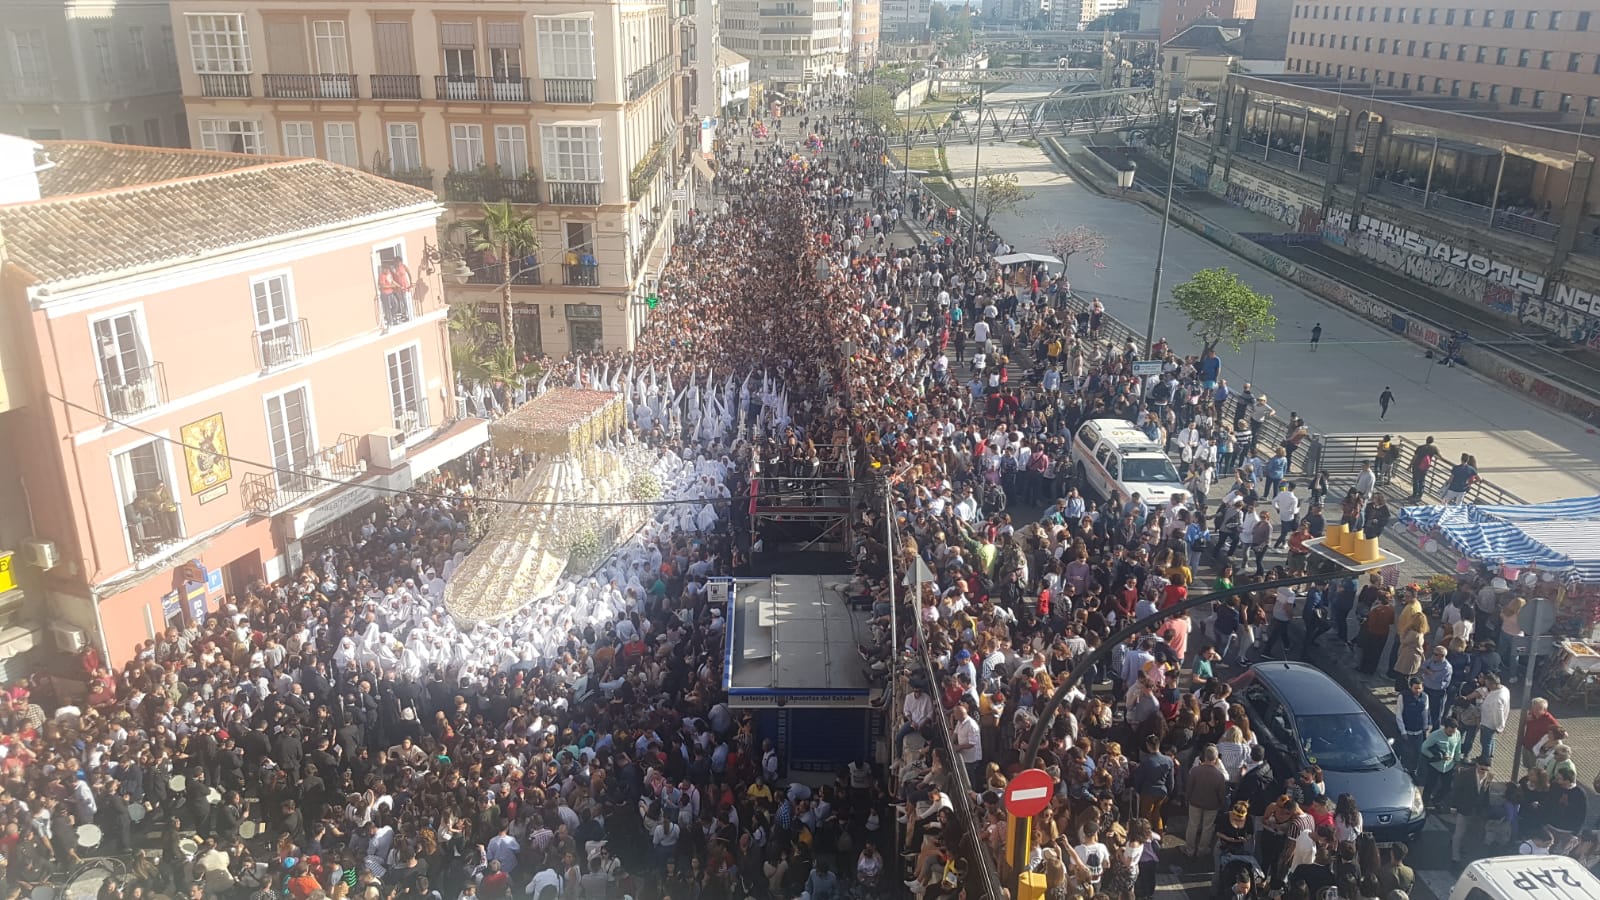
(1110, 455)
(1526, 878)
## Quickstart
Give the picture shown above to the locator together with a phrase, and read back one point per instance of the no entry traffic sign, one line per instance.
(1029, 793)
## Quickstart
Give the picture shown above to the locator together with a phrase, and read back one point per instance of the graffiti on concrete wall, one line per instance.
(1292, 208)
(1412, 243)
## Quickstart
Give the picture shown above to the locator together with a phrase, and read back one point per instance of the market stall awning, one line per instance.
(1012, 259)
(1562, 536)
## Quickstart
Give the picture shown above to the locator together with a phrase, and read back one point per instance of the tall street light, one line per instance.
(1166, 220)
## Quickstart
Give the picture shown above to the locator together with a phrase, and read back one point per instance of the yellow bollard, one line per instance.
(1338, 538)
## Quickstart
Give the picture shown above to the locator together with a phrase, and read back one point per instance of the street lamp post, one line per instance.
(977, 158)
(1166, 220)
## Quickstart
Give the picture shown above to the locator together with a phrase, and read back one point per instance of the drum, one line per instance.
(213, 796)
(177, 783)
(188, 846)
(89, 837)
(137, 812)
(43, 892)
(249, 829)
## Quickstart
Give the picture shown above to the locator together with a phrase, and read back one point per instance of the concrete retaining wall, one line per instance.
(1094, 171)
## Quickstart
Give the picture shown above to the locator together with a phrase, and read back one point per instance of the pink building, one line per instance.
(217, 355)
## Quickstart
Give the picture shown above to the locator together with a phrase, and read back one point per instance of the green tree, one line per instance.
(1220, 308)
(510, 236)
(998, 193)
(875, 104)
(476, 350)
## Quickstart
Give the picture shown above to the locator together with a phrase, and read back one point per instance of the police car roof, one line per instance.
(1122, 433)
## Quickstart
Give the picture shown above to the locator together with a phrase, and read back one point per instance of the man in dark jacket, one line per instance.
(1472, 793)
(1257, 786)
(1154, 780)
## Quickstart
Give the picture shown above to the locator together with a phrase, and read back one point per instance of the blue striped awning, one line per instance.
(1562, 536)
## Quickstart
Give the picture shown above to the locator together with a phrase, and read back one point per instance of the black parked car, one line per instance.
(1303, 717)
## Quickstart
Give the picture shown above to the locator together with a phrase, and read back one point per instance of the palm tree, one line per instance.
(477, 351)
(510, 236)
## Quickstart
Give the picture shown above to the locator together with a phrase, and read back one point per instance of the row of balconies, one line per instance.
(467, 88)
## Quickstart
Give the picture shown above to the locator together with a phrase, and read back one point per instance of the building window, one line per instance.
(571, 152)
(1461, 53)
(505, 51)
(120, 134)
(105, 61)
(1405, 82)
(1455, 87)
(124, 363)
(332, 49)
(511, 149)
(340, 139)
(1450, 16)
(152, 132)
(466, 147)
(1383, 45)
(566, 47)
(289, 430)
(1427, 49)
(405, 147)
(1386, 11)
(1532, 21)
(1500, 55)
(1483, 54)
(1411, 48)
(1566, 103)
(144, 488)
(405, 390)
(1546, 59)
(1433, 15)
(299, 139)
(1475, 92)
(1523, 57)
(1583, 21)
(218, 44)
(1572, 61)
(1466, 18)
(230, 135)
(1592, 107)
(1555, 20)
(1494, 93)
(1538, 99)
(459, 41)
(1510, 20)
(136, 51)
(1516, 96)
(169, 46)
(274, 307)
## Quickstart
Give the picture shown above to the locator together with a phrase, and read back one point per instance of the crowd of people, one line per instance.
(338, 734)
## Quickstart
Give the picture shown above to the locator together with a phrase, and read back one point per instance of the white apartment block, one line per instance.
(98, 70)
(792, 45)
(575, 111)
(905, 21)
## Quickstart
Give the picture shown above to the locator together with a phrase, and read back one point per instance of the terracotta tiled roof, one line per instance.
(135, 225)
(84, 166)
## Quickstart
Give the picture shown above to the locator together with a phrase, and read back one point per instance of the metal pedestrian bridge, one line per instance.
(1060, 115)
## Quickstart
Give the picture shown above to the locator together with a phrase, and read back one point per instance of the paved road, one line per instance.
(1534, 453)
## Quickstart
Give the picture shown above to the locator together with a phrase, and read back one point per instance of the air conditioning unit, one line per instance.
(68, 638)
(40, 554)
(386, 447)
(278, 351)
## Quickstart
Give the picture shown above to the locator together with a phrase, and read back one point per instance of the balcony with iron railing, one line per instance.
(395, 87)
(422, 178)
(310, 87)
(650, 227)
(647, 77)
(132, 391)
(785, 12)
(569, 90)
(264, 493)
(26, 88)
(281, 345)
(212, 85)
(412, 418)
(489, 186)
(644, 171)
(153, 523)
(581, 274)
(573, 193)
(496, 89)
(495, 274)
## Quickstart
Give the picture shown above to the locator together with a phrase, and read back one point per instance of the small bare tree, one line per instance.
(1080, 240)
